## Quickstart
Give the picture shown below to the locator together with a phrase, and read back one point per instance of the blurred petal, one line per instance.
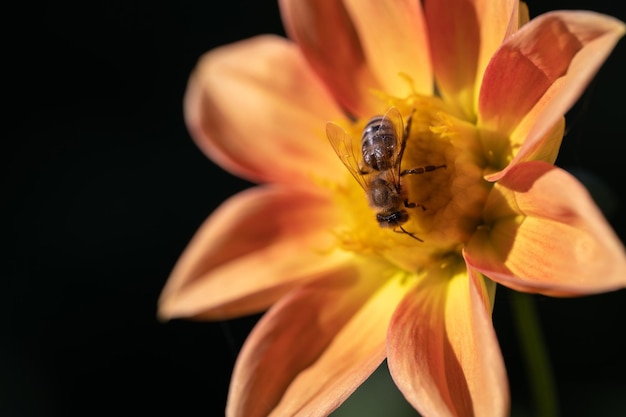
(328, 39)
(316, 346)
(546, 235)
(254, 248)
(258, 125)
(464, 34)
(523, 13)
(540, 71)
(394, 41)
(443, 352)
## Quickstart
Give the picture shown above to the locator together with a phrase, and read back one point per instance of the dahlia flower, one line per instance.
(481, 92)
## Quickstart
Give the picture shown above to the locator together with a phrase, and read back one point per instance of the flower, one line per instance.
(343, 293)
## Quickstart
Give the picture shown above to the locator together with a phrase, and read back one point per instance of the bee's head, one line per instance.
(393, 219)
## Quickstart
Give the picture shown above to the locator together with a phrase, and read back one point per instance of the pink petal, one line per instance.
(464, 34)
(316, 346)
(257, 109)
(538, 74)
(328, 39)
(546, 235)
(394, 41)
(254, 248)
(443, 352)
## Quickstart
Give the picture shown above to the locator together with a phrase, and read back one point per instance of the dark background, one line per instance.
(102, 188)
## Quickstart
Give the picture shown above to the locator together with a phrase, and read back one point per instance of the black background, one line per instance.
(102, 188)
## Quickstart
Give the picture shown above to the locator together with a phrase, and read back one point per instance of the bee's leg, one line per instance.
(421, 170)
(364, 170)
(407, 128)
(408, 204)
(405, 136)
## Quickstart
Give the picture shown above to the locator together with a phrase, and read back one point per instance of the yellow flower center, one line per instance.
(435, 195)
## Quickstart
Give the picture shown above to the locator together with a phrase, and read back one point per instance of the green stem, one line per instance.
(533, 347)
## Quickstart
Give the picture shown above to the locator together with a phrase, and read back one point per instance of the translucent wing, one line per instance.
(395, 117)
(346, 148)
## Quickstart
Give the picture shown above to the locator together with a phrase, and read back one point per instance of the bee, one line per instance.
(378, 169)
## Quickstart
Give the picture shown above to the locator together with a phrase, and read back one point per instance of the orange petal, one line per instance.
(532, 134)
(326, 35)
(257, 109)
(539, 72)
(316, 346)
(546, 235)
(394, 41)
(252, 250)
(442, 349)
(464, 34)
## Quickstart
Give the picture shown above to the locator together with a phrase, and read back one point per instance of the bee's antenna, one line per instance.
(403, 230)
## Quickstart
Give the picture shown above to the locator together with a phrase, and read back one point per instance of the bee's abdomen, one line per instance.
(379, 143)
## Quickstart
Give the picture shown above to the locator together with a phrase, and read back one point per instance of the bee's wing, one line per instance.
(345, 148)
(394, 115)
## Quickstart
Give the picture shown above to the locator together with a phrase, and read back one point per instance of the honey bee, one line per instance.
(378, 170)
